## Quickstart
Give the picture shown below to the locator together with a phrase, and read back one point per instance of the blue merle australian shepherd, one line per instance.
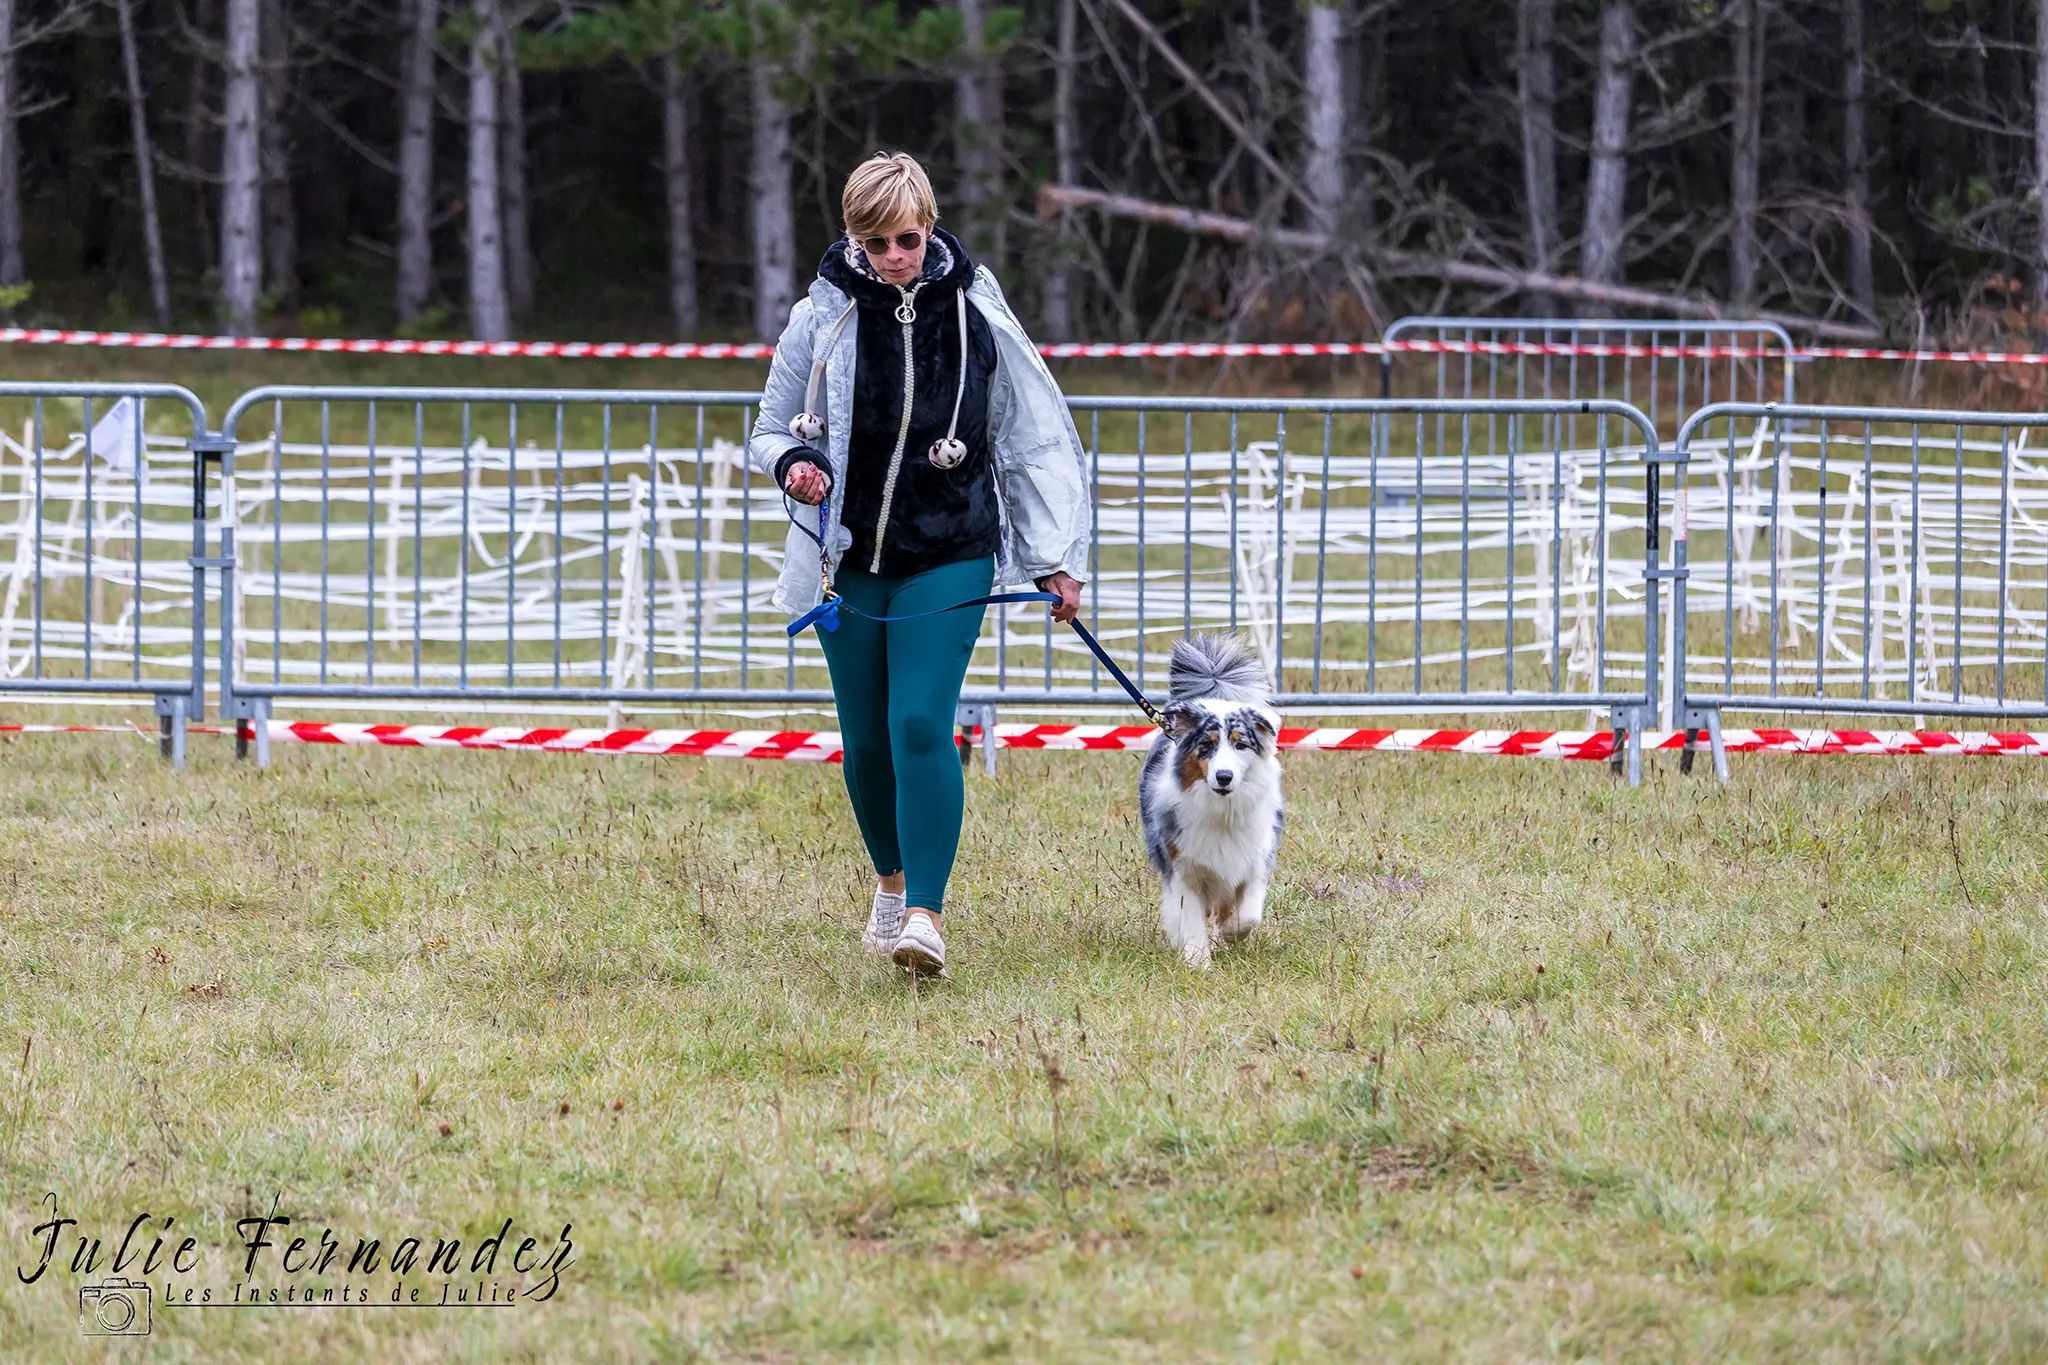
(1209, 798)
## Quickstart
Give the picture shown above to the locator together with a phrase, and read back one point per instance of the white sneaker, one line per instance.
(919, 947)
(885, 923)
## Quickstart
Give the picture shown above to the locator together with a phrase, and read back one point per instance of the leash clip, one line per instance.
(825, 616)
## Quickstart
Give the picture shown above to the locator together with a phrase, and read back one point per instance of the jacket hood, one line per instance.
(947, 267)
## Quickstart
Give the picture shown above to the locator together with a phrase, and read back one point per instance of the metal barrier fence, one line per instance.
(603, 546)
(606, 546)
(1543, 358)
(1859, 561)
(89, 475)
(493, 544)
(600, 546)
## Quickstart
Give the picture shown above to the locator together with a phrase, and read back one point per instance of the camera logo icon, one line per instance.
(114, 1308)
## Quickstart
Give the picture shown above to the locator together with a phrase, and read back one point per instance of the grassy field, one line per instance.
(1526, 1065)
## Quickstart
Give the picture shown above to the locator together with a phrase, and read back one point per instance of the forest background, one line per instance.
(1135, 169)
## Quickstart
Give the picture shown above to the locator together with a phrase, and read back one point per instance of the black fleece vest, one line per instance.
(925, 516)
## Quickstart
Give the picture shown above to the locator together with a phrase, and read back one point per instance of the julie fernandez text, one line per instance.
(275, 1259)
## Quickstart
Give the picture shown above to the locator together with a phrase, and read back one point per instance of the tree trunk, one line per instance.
(1985, 145)
(280, 220)
(241, 170)
(198, 120)
(12, 268)
(416, 163)
(977, 136)
(1322, 74)
(1856, 162)
(145, 168)
(1536, 100)
(1371, 101)
(1607, 176)
(1059, 277)
(488, 320)
(675, 166)
(1748, 21)
(517, 208)
(2041, 151)
(774, 222)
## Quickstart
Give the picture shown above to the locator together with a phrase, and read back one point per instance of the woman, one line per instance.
(946, 461)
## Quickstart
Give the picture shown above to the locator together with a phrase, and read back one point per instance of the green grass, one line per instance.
(1525, 1064)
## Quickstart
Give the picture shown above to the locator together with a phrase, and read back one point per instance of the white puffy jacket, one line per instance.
(1041, 472)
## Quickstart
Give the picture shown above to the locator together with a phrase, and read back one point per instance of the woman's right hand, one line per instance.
(806, 483)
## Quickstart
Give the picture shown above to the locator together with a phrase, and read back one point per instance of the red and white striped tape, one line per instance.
(798, 745)
(824, 747)
(653, 350)
(1940, 743)
(77, 729)
(1105, 350)
(593, 350)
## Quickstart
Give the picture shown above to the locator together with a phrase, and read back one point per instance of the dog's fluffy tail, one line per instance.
(1215, 667)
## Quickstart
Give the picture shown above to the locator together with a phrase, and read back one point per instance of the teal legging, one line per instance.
(897, 684)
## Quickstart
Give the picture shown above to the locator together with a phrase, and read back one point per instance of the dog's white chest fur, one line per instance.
(1228, 837)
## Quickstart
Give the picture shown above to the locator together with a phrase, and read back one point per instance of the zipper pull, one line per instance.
(906, 311)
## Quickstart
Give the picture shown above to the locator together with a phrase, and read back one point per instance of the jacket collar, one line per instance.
(947, 267)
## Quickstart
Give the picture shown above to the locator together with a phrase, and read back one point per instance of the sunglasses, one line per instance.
(879, 246)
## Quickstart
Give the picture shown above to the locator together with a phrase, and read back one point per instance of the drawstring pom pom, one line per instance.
(947, 453)
(807, 426)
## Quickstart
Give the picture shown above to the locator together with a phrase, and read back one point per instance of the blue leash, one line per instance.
(825, 616)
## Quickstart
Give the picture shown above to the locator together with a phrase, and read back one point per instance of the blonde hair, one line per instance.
(886, 189)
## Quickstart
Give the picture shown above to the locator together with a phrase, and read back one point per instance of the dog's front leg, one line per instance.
(1251, 910)
(1186, 922)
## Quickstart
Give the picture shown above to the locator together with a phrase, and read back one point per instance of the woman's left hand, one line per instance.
(1069, 592)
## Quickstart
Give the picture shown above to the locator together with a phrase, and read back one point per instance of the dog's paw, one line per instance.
(1197, 957)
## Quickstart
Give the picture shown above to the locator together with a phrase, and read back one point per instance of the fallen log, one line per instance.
(1052, 198)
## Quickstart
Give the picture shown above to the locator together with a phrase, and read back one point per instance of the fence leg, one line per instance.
(1626, 760)
(1719, 747)
(967, 716)
(172, 712)
(1709, 721)
(252, 730)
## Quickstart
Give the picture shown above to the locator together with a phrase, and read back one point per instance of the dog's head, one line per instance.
(1221, 745)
